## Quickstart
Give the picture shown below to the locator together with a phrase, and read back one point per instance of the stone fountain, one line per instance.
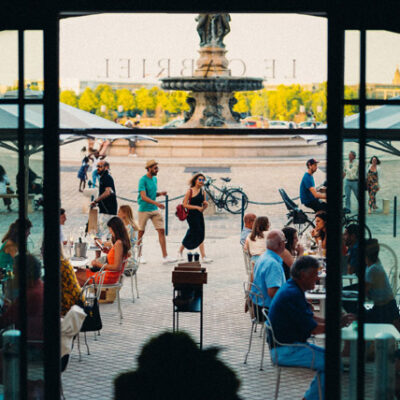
(211, 99)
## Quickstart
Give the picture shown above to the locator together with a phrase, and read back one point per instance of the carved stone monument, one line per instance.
(211, 100)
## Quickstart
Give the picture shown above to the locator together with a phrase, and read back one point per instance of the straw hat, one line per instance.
(151, 163)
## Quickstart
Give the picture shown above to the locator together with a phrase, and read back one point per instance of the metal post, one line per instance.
(11, 341)
(395, 216)
(384, 366)
(353, 368)
(242, 213)
(166, 215)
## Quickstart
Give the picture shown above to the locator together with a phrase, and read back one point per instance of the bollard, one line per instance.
(166, 215)
(384, 366)
(242, 213)
(385, 206)
(11, 340)
(395, 216)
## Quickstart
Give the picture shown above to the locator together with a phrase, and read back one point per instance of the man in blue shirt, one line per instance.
(268, 271)
(293, 322)
(248, 220)
(308, 193)
(148, 207)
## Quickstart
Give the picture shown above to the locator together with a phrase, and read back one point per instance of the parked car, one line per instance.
(255, 122)
(280, 124)
(309, 124)
(175, 123)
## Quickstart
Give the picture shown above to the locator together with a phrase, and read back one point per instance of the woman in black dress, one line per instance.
(195, 202)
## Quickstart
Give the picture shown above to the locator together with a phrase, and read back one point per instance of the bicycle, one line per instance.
(228, 198)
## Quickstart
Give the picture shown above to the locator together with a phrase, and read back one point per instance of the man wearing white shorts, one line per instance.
(148, 207)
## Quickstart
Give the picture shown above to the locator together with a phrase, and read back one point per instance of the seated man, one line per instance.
(269, 275)
(293, 322)
(248, 220)
(308, 193)
(350, 238)
(378, 289)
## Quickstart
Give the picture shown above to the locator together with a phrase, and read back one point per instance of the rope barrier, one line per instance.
(270, 204)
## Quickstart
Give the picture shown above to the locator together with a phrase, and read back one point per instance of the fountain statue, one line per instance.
(211, 100)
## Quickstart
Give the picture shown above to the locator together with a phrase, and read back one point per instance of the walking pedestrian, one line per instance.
(195, 202)
(107, 199)
(372, 183)
(82, 173)
(350, 172)
(148, 207)
(96, 158)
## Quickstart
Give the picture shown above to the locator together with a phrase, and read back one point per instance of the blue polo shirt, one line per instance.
(290, 314)
(306, 183)
(268, 273)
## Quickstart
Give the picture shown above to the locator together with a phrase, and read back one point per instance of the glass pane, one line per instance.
(352, 65)
(383, 117)
(34, 116)
(9, 69)
(33, 68)
(383, 74)
(350, 267)
(351, 117)
(9, 116)
(202, 74)
(11, 260)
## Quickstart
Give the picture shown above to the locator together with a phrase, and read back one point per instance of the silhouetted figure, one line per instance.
(171, 366)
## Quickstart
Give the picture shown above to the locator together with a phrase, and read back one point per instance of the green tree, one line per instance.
(143, 100)
(88, 101)
(350, 93)
(69, 97)
(243, 104)
(259, 103)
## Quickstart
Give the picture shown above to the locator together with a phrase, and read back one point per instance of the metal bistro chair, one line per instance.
(131, 269)
(273, 343)
(91, 291)
(248, 265)
(117, 286)
(256, 316)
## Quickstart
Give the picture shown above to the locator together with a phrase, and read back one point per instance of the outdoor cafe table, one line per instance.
(370, 332)
(319, 299)
(79, 262)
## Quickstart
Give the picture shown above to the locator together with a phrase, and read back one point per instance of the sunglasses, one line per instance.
(201, 180)
(100, 166)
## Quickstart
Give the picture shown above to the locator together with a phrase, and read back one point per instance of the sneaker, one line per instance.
(179, 256)
(207, 260)
(168, 260)
(142, 260)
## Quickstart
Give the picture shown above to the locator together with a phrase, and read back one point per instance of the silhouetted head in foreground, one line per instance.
(171, 366)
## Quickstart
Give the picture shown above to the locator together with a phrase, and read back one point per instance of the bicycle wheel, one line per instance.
(233, 201)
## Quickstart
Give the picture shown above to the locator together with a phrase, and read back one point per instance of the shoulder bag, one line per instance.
(181, 211)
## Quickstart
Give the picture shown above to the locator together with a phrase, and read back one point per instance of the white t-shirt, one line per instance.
(258, 246)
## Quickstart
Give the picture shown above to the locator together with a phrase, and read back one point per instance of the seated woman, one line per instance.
(116, 256)
(293, 249)
(70, 288)
(256, 241)
(377, 288)
(126, 214)
(319, 232)
(9, 247)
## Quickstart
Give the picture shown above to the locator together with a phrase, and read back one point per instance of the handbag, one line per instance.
(92, 321)
(181, 211)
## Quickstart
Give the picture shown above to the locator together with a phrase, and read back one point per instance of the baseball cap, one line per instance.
(311, 161)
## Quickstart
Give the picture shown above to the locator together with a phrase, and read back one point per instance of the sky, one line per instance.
(105, 46)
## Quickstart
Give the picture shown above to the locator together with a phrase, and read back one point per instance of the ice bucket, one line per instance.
(80, 249)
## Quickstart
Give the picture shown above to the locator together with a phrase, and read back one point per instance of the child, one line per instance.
(82, 173)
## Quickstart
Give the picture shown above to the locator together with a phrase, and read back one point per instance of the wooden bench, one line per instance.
(15, 196)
